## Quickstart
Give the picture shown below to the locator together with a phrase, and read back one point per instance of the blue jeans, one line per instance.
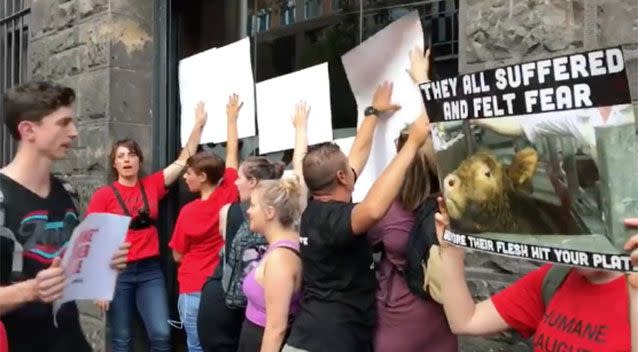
(140, 286)
(188, 306)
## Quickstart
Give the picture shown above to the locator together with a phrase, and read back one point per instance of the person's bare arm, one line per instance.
(223, 214)
(386, 188)
(232, 143)
(279, 286)
(360, 152)
(47, 286)
(300, 122)
(174, 170)
(632, 285)
(177, 256)
(504, 127)
(464, 316)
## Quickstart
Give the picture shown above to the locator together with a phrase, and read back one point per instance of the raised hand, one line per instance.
(382, 99)
(233, 107)
(50, 282)
(200, 115)
(302, 111)
(419, 65)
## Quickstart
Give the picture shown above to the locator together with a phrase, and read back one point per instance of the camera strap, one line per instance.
(121, 201)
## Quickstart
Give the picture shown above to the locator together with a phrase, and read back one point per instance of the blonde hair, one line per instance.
(285, 196)
(421, 178)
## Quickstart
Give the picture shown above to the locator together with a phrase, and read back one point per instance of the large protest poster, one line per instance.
(538, 160)
(384, 57)
(87, 258)
(212, 76)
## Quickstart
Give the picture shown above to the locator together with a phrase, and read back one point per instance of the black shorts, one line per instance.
(251, 336)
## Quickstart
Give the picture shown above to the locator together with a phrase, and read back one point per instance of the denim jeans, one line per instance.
(140, 286)
(188, 306)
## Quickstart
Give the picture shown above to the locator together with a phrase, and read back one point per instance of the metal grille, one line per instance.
(15, 18)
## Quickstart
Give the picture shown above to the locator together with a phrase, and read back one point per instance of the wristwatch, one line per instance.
(371, 111)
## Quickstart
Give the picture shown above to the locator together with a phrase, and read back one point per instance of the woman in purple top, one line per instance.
(273, 286)
(406, 322)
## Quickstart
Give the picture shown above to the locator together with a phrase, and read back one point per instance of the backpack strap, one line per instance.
(234, 218)
(553, 279)
(144, 197)
(75, 197)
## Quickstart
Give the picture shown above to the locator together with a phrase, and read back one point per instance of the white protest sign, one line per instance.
(345, 144)
(212, 76)
(276, 99)
(87, 258)
(385, 57)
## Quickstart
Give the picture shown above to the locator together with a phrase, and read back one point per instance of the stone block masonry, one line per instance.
(104, 50)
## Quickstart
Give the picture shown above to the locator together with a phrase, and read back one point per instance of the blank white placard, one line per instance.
(385, 56)
(276, 99)
(345, 144)
(212, 76)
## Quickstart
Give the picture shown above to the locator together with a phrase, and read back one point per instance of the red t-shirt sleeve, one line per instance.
(521, 304)
(156, 181)
(179, 241)
(97, 204)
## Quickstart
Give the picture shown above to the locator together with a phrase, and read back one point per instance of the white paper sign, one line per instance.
(212, 76)
(276, 99)
(88, 255)
(385, 57)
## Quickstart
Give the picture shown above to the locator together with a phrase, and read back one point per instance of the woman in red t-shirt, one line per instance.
(588, 312)
(141, 287)
(196, 240)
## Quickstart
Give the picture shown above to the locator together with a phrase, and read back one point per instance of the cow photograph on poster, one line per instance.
(538, 160)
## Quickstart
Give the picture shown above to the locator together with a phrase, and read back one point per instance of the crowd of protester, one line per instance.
(269, 262)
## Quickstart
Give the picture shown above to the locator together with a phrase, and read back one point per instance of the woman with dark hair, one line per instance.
(141, 286)
(223, 303)
(196, 240)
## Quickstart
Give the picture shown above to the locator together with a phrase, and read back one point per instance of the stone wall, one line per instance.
(104, 50)
(500, 32)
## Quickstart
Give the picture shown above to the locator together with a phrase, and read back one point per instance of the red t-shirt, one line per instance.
(581, 316)
(196, 235)
(144, 242)
(4, 343)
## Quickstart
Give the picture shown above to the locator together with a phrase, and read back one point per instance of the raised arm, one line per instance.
(279, 286)
(174, 170)
(632, 285)
(464, 316)
(232, 143)
(300, 121)
(382, 103)
(386, 188)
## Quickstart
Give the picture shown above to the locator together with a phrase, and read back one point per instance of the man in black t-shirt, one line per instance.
(338, 310)
(39, 216)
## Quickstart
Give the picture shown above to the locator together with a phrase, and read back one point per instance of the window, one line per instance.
(14, 50)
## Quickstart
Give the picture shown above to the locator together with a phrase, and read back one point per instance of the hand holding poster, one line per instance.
(87, 259)
(544, 165)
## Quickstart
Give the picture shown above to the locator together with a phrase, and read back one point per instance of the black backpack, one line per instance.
(422, 237)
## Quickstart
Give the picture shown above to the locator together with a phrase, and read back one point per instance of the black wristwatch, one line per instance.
(371, 111)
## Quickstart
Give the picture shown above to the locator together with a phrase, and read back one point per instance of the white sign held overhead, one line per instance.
(212, 76)
(88, 256)
(366, 68)
(276, 99)
(345, 144)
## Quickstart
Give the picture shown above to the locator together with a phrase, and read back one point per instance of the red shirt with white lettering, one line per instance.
(196, 235)
(581, 316)
(144, 242)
